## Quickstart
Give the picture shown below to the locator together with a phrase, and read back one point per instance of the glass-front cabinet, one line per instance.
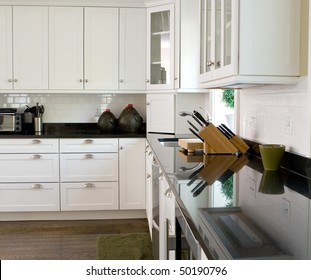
(160, 46)
(217, 46)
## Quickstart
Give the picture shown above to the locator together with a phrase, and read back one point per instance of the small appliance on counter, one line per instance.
(10, 120)
(37, 113)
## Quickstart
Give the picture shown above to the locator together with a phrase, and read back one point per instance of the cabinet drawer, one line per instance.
(29, 197)
(89, 167)
(29, 168)
(89, 145)
(89, 196)
(16, 146)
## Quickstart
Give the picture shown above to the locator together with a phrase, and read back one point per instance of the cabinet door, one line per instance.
(6, 66)
(30, 51)
(160, 47)
(29, 197)
(89, 167)
(66, 47)
(89, 196)
(132, 173)
(161, 113)
(29, 168)
(101, 48)
(97, 145)
(132, 49)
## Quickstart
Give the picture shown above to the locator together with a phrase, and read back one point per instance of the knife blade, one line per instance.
(200, 189)
(197, 135)
(193, 126)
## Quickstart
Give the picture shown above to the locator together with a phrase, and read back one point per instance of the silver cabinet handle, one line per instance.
(36, 186)
(89, 185)
(36, 157)
(88, 141)
(36, 141)
(88, 156)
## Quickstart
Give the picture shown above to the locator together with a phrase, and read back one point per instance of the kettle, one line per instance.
(130, 120)
(107, 122)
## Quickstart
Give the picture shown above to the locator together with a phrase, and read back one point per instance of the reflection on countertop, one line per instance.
(276, 204)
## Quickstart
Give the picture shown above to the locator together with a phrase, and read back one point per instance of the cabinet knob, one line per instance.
(88, 156)
(121, 148)
(36, 141)
(175, 78)
(89, 185)
(81, 80)
(147, 103)
(210, 63)
(168, 193)
(148, 176)
(121, 81)
(15, 80)
(36, 156)
(10, 80)
(88, 141)
(36, 186)
(147, 81)
(86, 80)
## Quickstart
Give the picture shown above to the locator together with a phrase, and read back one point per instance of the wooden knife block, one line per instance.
(215, 141)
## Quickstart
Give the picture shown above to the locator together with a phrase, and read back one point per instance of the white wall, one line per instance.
(73, 108)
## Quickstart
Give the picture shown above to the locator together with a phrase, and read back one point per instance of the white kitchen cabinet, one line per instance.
(160, 113)
(24, 46)
(101, 56)
(246, 43)
(89, 174)
(22, 197)
(167, 219)
(160, 47)
(132, 182)
(29, 179)
(132, 49)
(66, 48)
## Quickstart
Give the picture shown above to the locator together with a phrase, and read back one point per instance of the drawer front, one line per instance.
(29, 197)
(89, 196)
(16, 146)
(89, 167)
(29, 168)
(89, 145)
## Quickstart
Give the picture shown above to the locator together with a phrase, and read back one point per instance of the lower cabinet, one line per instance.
(132, 168)
(72, 174)
(29, 197)
(89, 196)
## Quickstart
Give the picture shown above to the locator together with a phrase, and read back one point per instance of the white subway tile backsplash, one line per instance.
(75, 107)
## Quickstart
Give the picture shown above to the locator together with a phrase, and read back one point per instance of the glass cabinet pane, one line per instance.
(206, 35)
(227, 32)
(218, 31)
(160, 47)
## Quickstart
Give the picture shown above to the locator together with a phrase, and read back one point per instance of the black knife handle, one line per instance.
(200, 117)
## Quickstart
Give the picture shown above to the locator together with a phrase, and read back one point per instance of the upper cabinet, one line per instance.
(132, 49)
(246, 42)
(160, 47)
(23, 47)
(83, 52)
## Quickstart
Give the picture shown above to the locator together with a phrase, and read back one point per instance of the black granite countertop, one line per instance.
(201, 185)
(72, 130)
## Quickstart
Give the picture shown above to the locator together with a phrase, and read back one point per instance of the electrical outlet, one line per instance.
(285, 208)
(288, 124)
(252, 187)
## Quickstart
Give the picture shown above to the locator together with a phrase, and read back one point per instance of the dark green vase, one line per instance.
(130, 120)
(107, 122)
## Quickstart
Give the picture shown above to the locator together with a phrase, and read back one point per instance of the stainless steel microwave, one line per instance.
(10, 121)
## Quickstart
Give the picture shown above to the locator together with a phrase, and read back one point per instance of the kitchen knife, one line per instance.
(236, 140)
(197, 135)
(193, 126)
(200, 117)
(197, 186)
(200, 189)
(198, 121)
(224, 132)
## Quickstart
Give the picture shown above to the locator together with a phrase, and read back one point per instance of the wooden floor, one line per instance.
(59, 240)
